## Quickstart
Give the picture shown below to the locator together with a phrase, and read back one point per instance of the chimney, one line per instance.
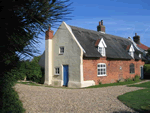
(48, 57)
(101, 27)
(49, 34)
(136, 39)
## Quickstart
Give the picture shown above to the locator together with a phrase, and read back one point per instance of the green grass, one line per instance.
(138, 100)
(115, 84)
(145, 85)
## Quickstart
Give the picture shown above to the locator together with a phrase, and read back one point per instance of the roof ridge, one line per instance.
(100, 32)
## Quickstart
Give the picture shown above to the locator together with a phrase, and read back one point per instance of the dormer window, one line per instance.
(139, 55)
(101, 50)
(131, 51)
(101, 47)
(131, 54)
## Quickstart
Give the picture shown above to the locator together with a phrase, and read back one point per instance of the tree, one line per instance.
(21, 23)
(148, 57)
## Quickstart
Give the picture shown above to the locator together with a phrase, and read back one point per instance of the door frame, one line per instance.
(141, 75)
(63, 73)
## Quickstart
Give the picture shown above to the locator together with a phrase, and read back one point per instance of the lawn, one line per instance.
(115, 84)
(138, 100)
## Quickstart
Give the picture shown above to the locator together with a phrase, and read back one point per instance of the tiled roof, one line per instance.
(142, 46)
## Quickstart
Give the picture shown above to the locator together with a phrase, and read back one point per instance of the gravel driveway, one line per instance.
(39, 99)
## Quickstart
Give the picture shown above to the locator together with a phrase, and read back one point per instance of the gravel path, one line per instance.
(39, 99)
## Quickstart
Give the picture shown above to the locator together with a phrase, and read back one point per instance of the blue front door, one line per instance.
(66, 78)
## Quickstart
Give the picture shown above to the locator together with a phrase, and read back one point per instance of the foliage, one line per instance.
(9, 97)
(136, 78)
(99, 82)
(146, 70)
(138, 100)
(128, 79)
(118, 81)
(21, 23)
(34, 70)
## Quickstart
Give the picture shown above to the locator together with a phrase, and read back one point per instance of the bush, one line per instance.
(136, 78)
(31, 70)
(34, 71)
(9, 98)
(99, 82)
(118, 81)
(146, 70)
(128, 79)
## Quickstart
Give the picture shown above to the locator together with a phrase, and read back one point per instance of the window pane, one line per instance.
(55, 70)
(98, 73)
(58, 70)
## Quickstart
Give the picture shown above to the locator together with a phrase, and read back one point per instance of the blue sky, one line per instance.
(120, 17)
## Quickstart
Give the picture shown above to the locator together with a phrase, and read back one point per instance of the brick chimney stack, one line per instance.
(101, 27)
(136, 39)
(49, 34)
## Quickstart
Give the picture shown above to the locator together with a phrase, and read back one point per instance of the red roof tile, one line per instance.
(128, 47)
(142, 46)
(97, 42)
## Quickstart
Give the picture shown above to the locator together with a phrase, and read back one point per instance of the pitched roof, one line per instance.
(116, 46)
(142, 46)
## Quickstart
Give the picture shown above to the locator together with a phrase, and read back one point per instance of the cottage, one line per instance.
(77, 57)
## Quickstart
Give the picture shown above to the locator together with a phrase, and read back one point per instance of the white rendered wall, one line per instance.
(72, 57)
(48, 61)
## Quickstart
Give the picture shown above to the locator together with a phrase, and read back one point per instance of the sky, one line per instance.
(122, 18)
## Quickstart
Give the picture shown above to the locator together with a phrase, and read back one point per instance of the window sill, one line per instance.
(60, 53)
(102, 75)
(56, 74)
(132, 73)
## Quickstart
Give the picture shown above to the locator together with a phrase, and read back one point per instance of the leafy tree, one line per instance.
(21, 23)
(148, 56)
(34, 70)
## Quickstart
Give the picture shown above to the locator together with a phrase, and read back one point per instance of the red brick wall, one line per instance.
(113, 69)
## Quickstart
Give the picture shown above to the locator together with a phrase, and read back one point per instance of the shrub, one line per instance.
(119, 80)
(128, 79)
(146, 70)
(34, 70)
(9, 98)
(136, 78)
(99, 82)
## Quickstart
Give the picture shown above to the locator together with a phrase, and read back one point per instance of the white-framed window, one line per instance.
(57, 71)
(101, 69)
(101, 50)
(131, 54)
(61, 50)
